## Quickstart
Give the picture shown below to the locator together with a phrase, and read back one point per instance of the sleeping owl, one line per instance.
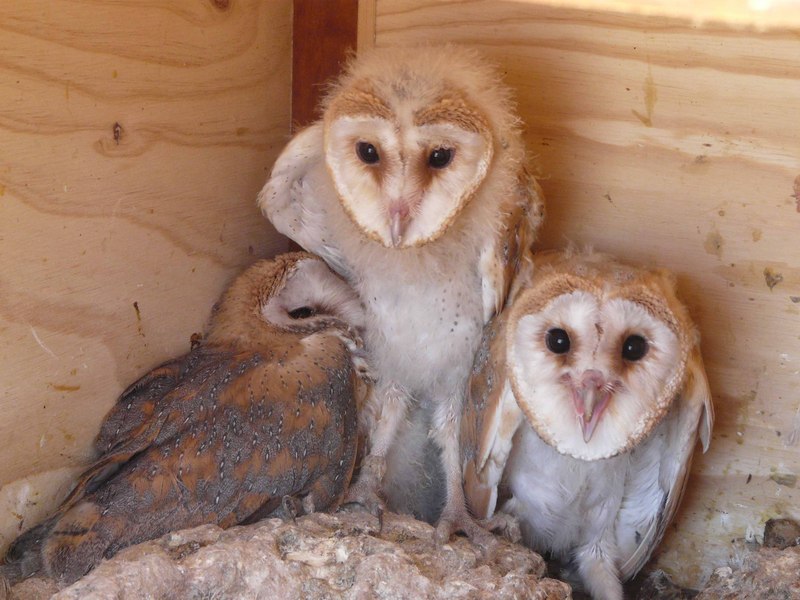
(413, 185)
(262, 410)
(587, 400)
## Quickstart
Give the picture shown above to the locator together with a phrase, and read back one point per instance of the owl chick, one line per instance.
(413, 185)
(262, 410)
(587, 400)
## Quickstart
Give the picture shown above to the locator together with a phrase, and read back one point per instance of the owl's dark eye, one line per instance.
(634, 347)
(303, 312)
(367, 153)
(557, 341)
(439, 158)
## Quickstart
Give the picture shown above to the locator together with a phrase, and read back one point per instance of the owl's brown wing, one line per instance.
(238, 432)
(135, 406)
(659, 471)
(129, 427)
(504, 256)
(489, 420)
(136, 419)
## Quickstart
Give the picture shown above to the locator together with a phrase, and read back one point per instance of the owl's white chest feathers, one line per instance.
(424, 308)
(422, 327)
(565, 503)
(562, 502)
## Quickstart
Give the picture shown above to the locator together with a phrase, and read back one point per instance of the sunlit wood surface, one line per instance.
(134, 137)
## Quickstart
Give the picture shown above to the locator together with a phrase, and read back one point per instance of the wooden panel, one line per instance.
(679, 146)
(324, 32)
(135, 136)
(751, 14)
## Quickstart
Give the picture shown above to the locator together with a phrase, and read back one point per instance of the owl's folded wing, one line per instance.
(489, 420)
(135, 405)
(137, 418)
(660, 472)
(298, 197)
(507, 254)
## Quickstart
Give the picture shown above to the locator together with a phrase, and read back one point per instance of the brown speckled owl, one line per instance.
(413, 185)
(587, 399)
(263, 409)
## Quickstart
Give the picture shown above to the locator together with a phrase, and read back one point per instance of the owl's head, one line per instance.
(292, 293)
(597, 352)
(410, 134)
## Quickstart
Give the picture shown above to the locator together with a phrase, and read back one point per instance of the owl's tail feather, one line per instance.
(65, 547)
(5, 587)
(77, 542)
(24, 557)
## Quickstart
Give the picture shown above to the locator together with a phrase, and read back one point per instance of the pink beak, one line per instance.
(591, 398)
(398, 219)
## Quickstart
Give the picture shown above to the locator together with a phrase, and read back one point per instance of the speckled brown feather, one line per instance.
(486, 384)
(507, 258)
(219, 435)
(489, 419)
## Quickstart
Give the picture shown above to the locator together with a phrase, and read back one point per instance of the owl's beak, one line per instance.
(591, 398)
(398, 220)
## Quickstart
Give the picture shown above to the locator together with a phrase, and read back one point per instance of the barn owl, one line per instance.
(262, 410)
(413, 185)
(587, 399)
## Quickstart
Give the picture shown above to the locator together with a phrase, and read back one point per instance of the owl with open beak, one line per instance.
(587, 400)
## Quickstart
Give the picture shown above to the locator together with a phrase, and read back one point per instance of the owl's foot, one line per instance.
(597, 571)
(358, 355)
(366, 490)
(453, 521)
(291, 507)
(505, 525)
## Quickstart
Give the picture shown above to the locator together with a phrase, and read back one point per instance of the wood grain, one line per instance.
(135, 138)
(676, 145)
(324, 33)
(742, 14)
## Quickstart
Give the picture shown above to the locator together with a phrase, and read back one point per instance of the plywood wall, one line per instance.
(678, 145)
(134, 137)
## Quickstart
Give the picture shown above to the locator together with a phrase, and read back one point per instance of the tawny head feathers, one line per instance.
(294, 292)
(410, 134)
(597, 351)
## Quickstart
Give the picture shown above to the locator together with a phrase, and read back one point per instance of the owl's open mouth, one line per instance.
(591, 398)
(590, 404)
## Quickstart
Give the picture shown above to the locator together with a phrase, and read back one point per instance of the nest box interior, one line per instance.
(135, 137)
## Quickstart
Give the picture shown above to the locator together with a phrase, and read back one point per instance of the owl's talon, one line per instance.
(464, 522)
(505, 525)
(309, 504)
(369, 500)
(380, 520)
(291, 507)
(365, 491)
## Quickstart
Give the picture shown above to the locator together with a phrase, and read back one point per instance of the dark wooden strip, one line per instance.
(324, 32)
